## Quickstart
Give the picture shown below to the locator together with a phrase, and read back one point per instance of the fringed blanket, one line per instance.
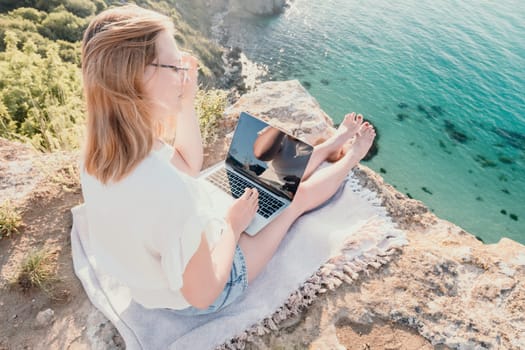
(324, 248)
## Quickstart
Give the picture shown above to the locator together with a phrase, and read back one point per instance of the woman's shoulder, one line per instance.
(154, 171)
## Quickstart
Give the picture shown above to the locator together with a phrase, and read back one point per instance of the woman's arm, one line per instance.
(188, 151)
(208, 270)
(188, 155)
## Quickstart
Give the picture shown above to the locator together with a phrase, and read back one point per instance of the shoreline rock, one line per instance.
(262, 7)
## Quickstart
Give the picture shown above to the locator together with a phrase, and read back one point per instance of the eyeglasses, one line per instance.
(174, 68)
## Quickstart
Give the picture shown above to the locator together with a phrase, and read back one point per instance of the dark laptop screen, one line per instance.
(268, 156)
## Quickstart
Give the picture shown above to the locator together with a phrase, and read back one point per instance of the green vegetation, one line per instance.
(37, 271)
(40, 81)
(10, 219)
(210, 107)
(40, 96)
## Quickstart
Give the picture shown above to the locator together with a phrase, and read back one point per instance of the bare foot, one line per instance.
(363, 141)
(346, 131)
(349, 126)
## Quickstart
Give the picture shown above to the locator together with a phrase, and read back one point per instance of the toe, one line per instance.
(349, 117)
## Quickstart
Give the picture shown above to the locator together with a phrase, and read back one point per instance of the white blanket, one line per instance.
(352, 216)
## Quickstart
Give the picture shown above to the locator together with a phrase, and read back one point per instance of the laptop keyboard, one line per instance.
(233, 184)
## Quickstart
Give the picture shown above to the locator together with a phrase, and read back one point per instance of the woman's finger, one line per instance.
(246, 193)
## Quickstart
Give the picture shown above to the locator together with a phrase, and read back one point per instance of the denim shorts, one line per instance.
(234, 288)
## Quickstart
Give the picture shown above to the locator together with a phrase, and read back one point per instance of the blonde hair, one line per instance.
(117, 45)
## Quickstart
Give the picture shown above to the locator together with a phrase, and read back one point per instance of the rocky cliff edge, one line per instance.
(445, 289)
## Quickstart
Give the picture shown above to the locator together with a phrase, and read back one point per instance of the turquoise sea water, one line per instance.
(443, 81)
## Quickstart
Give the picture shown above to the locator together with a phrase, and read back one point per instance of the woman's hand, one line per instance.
(243, 210)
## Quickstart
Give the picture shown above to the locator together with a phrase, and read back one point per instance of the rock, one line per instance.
(288, 105)
(261, 7)
(18, 177)
(44, 318)
(22, 169)
(285, 104)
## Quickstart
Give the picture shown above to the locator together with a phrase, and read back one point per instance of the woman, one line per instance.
(150, 221)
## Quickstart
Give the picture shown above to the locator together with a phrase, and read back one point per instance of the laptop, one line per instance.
(264, 157)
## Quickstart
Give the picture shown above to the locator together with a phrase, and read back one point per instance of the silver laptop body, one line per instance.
(263, 157)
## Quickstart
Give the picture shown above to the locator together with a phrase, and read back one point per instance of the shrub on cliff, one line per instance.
(40, 97)
(210, 107)
(10, 219)
(26, 24)
(40, 89)
(63, 25)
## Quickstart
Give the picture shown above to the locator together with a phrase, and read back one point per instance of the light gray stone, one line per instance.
(44, 318)
(261, 7)
(286, 105)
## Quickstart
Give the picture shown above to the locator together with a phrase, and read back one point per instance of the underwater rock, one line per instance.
(454, 133)
(402, 116)
(409, 196)
(484, 162)
(513, 217)
(480, 239)
(306, 84)
(402, 105)
(504, 190)
(325, 81)
(505, 160)
(442, 144)
(479, 199)
(426, 190)
(512, 138)
(426, 112)
(503, 211)
(503, 178)
(382, 170)
(437, 109)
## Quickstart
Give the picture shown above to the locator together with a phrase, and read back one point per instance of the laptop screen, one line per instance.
(268, 156)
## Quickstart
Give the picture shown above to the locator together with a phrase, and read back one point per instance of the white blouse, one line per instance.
(145, 228)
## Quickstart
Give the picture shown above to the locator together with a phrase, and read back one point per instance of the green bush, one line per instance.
(63, 25)
(40, 87)
(210, 107)
(38, 271)
(10, 219)
(44, 5)
(29, 13)
(100, 5)
(80, 8)
(41, 97)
